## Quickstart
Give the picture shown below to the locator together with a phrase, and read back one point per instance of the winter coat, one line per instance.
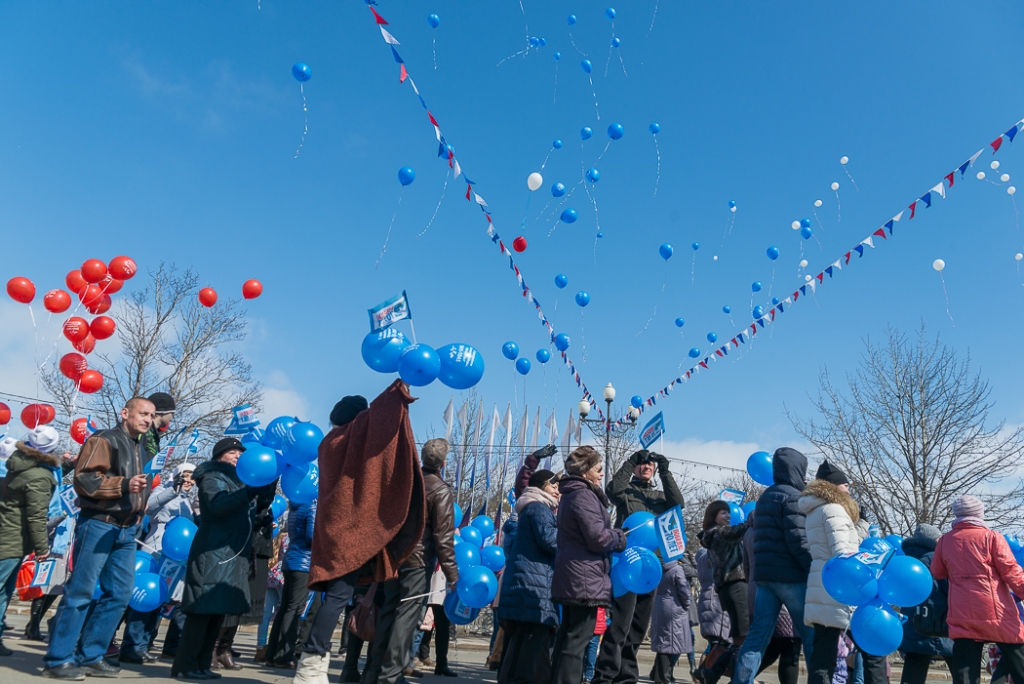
(831, 532)
(714, 621)
(631, 495)
(28, 488)
(784, 625)
(585, 540)
(438, 540)
(780, 543)
(670, 623)
(725, 546)
(690, 572)
(301, 519)
(508, 533)
(165, 503)
(217, 579)
(982, 572)
(526, 581)
(108, 460)
(923, 548)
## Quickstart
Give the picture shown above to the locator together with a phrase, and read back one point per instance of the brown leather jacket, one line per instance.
(438, 543)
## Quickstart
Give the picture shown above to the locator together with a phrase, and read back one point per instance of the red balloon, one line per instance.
(75, 281)
(100, 307)
(21, 289)
(110, 284)
(87, 345)
(92, 381)
(122, 267)
(51, 413)
(207, 296)
(90, 294)
(519, 244)
(76, 329)
(5, 413)
(72, 366)
(93, 270)
(79, 430)
(35, 415)
(102, 327)
(57, 301)
(251, 289)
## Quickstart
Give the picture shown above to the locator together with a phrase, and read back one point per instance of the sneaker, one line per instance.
(101, 668)
(65, 671)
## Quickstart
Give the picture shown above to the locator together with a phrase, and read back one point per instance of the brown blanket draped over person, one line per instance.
(371, 505)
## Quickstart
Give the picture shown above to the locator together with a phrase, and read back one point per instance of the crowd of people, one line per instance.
(376, 551)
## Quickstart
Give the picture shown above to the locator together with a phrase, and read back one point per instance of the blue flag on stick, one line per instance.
(390, 312)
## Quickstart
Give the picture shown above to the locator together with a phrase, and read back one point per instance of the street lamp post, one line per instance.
(584, 408)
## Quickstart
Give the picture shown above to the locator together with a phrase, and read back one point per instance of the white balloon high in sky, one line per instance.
(534, 181)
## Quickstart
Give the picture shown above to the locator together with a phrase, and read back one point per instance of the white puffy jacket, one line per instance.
(831, 526)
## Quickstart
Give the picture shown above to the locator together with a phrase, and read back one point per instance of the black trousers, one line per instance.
(662, 672)
(442, 636)
(787, 651)
(616, 661)
(822, 664)
(173, 636)
(527, 655)
(285, 631)
(915, 667)
(396, 622)
(198, 638)
(339, 593)
(967, 661)
(575, 632)
(733, 597)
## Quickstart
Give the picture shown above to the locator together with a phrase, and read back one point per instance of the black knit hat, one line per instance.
(162, 401)
(829, 473)
(541, 478)
(226, 444)
(347, 409)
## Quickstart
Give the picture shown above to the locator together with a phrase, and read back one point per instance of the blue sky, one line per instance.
(168, 131)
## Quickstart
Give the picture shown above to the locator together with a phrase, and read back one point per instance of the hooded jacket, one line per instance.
(725, 547)
(831, 531)
(923, 548)
(28, 488)
(526, 582)
(164, 503)
(784, 625)
(780, 543)
(714, 621)
(630, 494)
(109, 459)
(670, 623)
(438, 542)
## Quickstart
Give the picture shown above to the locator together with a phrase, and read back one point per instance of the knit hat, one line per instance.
(968, 506)
(581, 460)
(829, 473)
(44, 438)
(181, 468)
(434, 453)
(926, 531)
(347, 409)
(541, 478)
(162, 402)
(8, 445)
(227, 444)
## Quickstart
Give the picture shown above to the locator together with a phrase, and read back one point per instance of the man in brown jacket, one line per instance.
(401, 614)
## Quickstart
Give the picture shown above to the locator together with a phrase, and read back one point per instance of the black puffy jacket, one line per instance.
(781, 553)
(923, 548)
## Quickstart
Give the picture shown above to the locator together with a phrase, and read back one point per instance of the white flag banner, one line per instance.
(463, 426)
(448, 420)
(552, 427)
(524, 428)
(570, 431)
(495, 420)
(474, 442)
(536, 431)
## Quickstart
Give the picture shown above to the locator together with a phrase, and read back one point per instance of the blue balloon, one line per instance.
(759, 467)
(569, 216)
(616, 131)
(736, 514)
(610, 13)
(849, 581)
(462, 366)
(381, 351)
(694, 353)
(541, 42)
(558, 56)
(582, 298)
(643, 532)
(572, 19)
(257, 466)
(301, 483)
(510, 350)
(458, 515)
(727, 309)
(282, 464)
(617, 588)
(756, 286)
(492, 557)
(806, 232)
(665, 251)
(805, 223)
(477, 587)
(876, 628)
(876, 545)
(586, 132)
(484, 524)
(639, 570)
(277, 430)
(147, 592)
(178, 535)
(712, 337)
(636, 401)
(471, 535)
(616, 42)
(732, 204)
(896, 542)
(419, 365)
(302, 443)
(557, 144)
(593, 175)
(523, 366)
(561, 341)
(543, 355)
(1014, 543)
(144, 562)
(301, 72)
(466, 556)
(758, 311)
(253, 436)
(278, 506)
(680, 322)
(748, 508)
(905, 582)
(773, 253)
(534, 41)
(695, 246)
(775, 301)
(434, 21)
(457, 611)
(561, 280)
(654, 128)
(586, 66)
(406, 175)
(600, 235)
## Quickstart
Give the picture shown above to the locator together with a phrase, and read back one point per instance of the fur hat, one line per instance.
(968, 506)
(347, 409)
(434, 453)
(43, 438)
(581, 460)
(829, 473)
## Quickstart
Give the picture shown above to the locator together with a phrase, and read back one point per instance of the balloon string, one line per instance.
(943, 279)
(443, 190)
(653, 16)
(522, 226)
(606, 146)
(622, 62)
(305, 126)
(594, 91)
(593, 200)
(656, 304)
(554, 97)
(693, 269)
(1016, 213)
(609, 60)
(657, 180)
(384, 249)
(851, 178)
(512, 56)
(815, 211)
(583, 332)
(574, 45)
(546, 157)
(839, 208)
(433, 48)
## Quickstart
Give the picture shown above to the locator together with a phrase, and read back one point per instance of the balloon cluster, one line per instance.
(286, 449)
(456, 365)
(637, 569)
(478, 564)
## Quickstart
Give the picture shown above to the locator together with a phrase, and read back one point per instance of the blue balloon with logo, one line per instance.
(510, 350)
(896, 542)
(381, 351)
(419, 365)
(277, 430)
(561, 341)
(593, 175)
(759, 467)
(639, 570)
(406, 175)
(300, 483)
(876, 628)
(640, 530)
(148, 592)
(569, 215)
(457, 611)
(543, 355)
(301, 72)
(462, 366)
(302, 443)
(257, 466)
(557, 190)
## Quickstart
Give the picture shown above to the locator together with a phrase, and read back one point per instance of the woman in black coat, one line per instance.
(217, 580)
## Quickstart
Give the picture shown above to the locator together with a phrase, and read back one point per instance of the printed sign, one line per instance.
(44, 569)
(69, 500)
(390, 312)
(653, 431)
(243, 420)
(733, 496)
(671, 535)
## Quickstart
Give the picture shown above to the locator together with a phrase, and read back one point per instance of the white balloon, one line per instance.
(1005, 178)
(981, 175)
(835, 185)
(1018, 256)
(732, 209)
(534, 181)
(817, 203)
(795, 225)
(1010, 190)
(808, 278)
(803, 263)
(843, 160)
(994, 165)
(714, 258)
(938, 264)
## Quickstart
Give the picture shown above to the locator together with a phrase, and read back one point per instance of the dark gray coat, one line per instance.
(780, 541)
(670, 618)
(923, 548)
(526, 583)
(714, 621)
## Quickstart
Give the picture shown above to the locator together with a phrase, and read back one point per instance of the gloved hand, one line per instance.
(545, 452)
(661, 461)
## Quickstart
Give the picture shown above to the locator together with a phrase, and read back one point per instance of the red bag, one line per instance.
(362, 621)
(25, 575)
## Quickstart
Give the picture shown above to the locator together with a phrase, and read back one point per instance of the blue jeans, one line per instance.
(770, 598)
(270, 604)
(82, 629)
(8, 580)
(858, 669)
(591, 659)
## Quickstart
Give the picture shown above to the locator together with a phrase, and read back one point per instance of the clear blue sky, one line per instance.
(168, 130)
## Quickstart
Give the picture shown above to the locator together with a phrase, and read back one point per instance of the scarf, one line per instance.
(970, 520)
(532, 495)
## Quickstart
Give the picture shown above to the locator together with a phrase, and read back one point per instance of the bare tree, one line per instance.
(170, 343)
(912, 431)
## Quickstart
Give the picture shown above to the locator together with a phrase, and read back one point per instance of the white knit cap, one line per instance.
(8, 445)
(44, 438)
(182, 467)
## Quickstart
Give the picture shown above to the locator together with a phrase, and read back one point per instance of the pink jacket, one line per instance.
(981, 571)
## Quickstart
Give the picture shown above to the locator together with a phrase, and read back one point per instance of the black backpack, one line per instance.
(929, 618)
